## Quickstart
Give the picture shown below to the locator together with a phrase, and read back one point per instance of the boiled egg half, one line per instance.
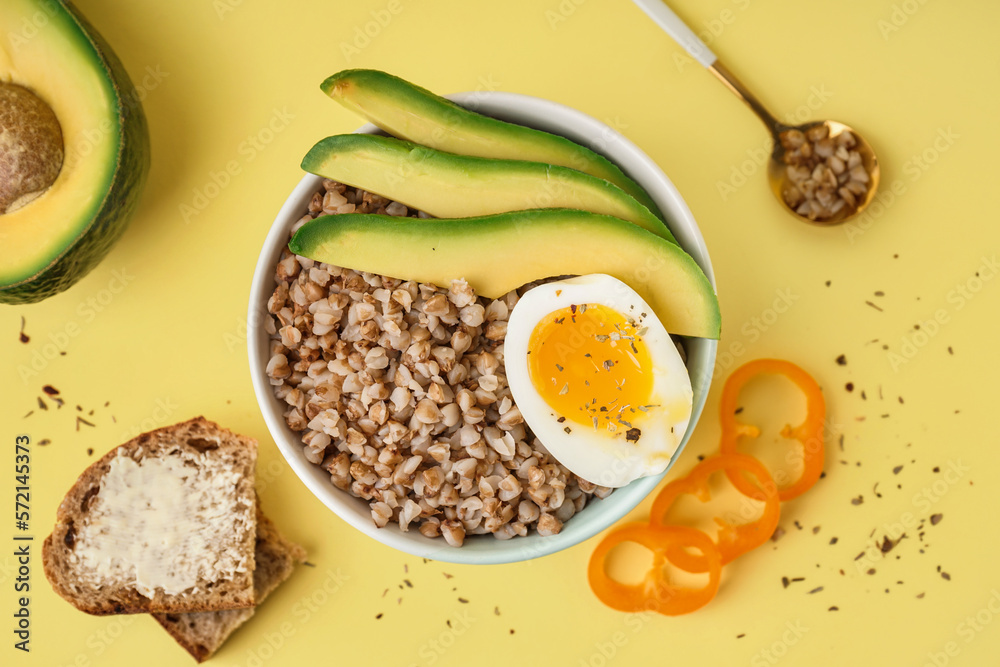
(597, 378)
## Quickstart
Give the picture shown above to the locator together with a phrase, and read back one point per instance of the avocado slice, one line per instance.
(410, 112)
(456, 186)
(70, 204)
(498, 253)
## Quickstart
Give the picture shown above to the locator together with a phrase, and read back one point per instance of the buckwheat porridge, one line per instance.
(398, 391)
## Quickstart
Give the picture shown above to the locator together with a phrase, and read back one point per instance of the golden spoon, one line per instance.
(822, 172)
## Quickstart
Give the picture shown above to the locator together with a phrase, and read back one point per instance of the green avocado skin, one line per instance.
(122, 198)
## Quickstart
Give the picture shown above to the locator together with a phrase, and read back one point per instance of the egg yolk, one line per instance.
(591, 365)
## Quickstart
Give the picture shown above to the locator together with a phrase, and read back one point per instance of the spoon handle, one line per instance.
(665, 17)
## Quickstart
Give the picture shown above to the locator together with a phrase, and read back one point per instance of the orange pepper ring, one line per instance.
(809, 432)
(656, 592)
(733, 540)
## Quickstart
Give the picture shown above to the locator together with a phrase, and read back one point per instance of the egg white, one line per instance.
(597, 455)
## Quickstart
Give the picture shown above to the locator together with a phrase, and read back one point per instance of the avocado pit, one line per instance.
(31, 146)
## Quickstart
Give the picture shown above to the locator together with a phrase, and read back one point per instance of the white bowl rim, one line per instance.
(555, 118)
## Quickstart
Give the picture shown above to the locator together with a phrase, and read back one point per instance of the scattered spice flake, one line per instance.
(386, 591)
(409, 584)
(879, 293)
(950, 351)
(849, 386)
(920, 596)
(842, 360)
(567, 429)
(463, 600)
(81, 420)
(50, 390)
(512, 631)
(496, 611)
(561, 369)
(23, 337)
(833, 540)
(871, 570)
(936, 519)
(778, 533)
(816, 590)
(874, 306)
(875, 491)
(785, 582)
(378, 616)
(42, 443)
(815, 529)
(30, 412)
(864, 397)
(447, 576)
(90, 451)
(828, 283)
(633, 434)
(309, 564)
(42, 404)
(946, 576)
(59, 401)
(888, 544)
(107, 403)
(858, 500)
(738, 410)
(834, 608)
(79, 408)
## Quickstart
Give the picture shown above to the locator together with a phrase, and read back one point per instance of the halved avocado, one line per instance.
(446, 185)
(498, 253)
(410, 112)
(48, 241)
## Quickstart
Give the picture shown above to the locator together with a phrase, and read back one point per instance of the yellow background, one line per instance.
(917, 78)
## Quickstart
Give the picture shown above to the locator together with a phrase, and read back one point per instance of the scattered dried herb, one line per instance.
(23, 337)
(858, 500)
(936, 519)
(842, 360)
(874, 306)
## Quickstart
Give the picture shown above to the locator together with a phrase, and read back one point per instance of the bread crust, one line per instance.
(197, 434)
(202, 634)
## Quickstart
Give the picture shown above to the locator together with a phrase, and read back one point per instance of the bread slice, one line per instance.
(164, 523)
(201, 634)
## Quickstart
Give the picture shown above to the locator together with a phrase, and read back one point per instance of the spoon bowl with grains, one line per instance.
(823, 172)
